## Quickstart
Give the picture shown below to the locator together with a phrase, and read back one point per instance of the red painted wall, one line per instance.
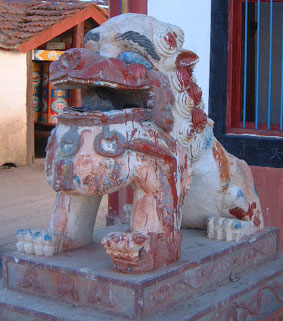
(269, 184)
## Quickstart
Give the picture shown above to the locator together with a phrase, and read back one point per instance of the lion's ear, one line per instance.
(186, 59)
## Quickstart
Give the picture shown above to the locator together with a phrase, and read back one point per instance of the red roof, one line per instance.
(21, 21)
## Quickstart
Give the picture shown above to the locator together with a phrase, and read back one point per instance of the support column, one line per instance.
(29, 106)
(137, 6)
(117, 200)
(78, 39)
(117, 7)
(114, 8)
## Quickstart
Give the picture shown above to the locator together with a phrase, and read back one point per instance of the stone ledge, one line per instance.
(85, 277)
(256, 295)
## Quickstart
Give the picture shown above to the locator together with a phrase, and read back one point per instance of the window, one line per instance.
(245, 99)
(255, 87)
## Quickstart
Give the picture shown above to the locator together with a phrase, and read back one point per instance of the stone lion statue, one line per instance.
(142, 123)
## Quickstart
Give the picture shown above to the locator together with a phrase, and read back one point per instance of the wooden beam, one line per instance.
(114, 8)
(62, 26)
(137, 6)
(29, 111)
(78, 35)
(78, 39)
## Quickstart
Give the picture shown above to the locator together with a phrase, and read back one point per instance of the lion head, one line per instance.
(135, 61)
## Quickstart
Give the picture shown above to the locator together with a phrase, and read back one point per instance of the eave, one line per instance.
(62, 26)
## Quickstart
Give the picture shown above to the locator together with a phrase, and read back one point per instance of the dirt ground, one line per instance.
(26, 201)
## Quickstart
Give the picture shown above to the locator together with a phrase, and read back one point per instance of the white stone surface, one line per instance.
(228, 229)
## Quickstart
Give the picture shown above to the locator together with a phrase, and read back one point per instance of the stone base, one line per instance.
(209, 282)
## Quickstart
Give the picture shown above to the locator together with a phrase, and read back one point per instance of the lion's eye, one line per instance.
(131, 57)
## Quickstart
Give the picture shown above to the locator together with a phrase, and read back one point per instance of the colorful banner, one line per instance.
(47, 55)
(53, 100)
(36, 90)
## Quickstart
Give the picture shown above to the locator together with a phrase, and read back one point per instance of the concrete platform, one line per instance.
(254, 296)
(210, 277)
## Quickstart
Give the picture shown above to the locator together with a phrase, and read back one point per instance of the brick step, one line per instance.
(85, 277)
(253, 296)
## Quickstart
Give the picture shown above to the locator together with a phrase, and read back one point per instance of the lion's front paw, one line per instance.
(125, 249)
(228, 229)
(137, 252)
(36, 242)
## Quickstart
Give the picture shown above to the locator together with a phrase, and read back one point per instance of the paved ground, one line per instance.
(26, 201)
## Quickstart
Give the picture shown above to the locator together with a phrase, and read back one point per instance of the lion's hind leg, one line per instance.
(241, 211)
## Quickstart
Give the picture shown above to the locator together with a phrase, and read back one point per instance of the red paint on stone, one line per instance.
(186, 59)
(249, 215)
(85, 65)
(185, 63)
(91, 68)
(199, 119)
(161, 252)
(239, 213)
(171, 40)
(222, 162)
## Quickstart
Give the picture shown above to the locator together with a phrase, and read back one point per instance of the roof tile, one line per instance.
(21, 20)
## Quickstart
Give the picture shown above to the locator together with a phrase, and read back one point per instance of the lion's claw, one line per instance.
(228, 229)
(137, 252)
(36, 242)
(125, 246)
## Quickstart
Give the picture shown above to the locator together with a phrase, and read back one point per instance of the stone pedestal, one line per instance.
(214, 280)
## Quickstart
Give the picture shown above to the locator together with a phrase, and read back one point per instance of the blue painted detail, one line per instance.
(208, 138)
(228, 183)
(255, 190)
(60, 93)
(240, 194)
(52, 133)
(78, 181)
(131, 57)
(245, 64)
(20, 231)
(36, 234)
(69, 143)
(270, 66)
(257, 63)
(47, 237)
(238, 225)
(68, 162)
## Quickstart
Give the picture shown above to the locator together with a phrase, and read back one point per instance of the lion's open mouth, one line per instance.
(107, 84)
(115, 84)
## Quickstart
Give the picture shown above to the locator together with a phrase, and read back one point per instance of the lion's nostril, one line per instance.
(76, 59)
(65, 60)
(70, 60)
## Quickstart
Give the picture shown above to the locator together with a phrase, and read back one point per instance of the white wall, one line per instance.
(193, 16)
(13, 114)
